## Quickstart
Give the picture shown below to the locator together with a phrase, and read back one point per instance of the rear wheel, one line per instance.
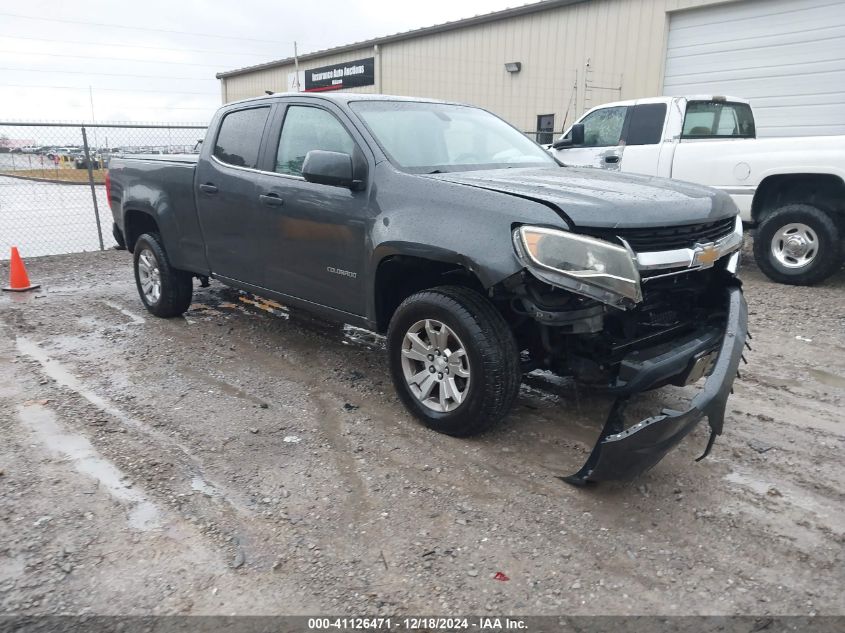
(165, 291)
(798, 244)
(453, 360)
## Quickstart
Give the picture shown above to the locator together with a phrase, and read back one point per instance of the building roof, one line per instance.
(536, 7)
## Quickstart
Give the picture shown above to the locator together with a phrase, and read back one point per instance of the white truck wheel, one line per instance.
(798, 244)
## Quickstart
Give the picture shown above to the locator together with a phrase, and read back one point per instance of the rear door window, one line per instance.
(718, 119)
(603, 128)
(646, 124)
(240, 135)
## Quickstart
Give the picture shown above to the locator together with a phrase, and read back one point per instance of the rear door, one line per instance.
(227, 200)
(602, 140)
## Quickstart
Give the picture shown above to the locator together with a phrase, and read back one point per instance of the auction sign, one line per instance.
(361, 72)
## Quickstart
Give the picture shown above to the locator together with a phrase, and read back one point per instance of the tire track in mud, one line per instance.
(480, 467)
(160, 533)
(580, 437)
(327, 403)
(331, 424)
(239, 510)
(327, 407)
(63, 377)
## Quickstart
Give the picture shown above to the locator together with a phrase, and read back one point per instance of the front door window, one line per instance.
(603, 128)
(305, 129)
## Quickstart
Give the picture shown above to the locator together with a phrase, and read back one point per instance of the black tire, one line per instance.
(828, 258)
(491, 352)
(118, 237)
(177, 286)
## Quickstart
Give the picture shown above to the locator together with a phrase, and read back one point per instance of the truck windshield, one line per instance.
(433, 137)
(718, 119)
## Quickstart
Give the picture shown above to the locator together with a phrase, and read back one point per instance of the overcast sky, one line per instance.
(155, 60)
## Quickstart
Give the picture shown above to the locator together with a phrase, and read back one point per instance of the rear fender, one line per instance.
(141, 204)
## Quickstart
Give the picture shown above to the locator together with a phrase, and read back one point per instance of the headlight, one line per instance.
(585, 265)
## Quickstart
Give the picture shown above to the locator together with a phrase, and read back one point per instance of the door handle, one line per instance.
(271, 199)
(208, 188)
(611, 159)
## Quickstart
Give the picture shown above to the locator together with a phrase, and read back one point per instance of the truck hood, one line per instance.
(586, 197)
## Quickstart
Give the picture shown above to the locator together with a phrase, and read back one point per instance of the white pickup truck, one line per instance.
(792, 189)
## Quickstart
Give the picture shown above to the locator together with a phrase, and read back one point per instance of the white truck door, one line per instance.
(718, 148)
(643, 136)
(602, 140)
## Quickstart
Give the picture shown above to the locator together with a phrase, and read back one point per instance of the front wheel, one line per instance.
(453, 360)
(165, 291)
(798, 244)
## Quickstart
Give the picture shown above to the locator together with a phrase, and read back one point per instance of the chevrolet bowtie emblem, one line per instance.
(705, 255)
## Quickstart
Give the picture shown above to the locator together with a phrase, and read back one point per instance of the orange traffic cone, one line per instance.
(18, 279)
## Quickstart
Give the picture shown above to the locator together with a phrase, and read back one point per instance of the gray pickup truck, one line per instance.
(479, 255)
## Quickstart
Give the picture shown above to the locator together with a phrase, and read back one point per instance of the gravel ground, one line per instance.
(239, 461)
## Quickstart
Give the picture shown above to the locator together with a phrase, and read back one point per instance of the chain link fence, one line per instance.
(52, 196)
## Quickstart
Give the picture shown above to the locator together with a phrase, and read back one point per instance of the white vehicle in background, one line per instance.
(792, 189)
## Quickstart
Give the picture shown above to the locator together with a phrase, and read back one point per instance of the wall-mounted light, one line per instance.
(513, 67)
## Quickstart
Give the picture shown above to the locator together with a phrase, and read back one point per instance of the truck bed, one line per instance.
(170, 199)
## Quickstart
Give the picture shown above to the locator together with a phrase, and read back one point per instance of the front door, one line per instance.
(602, 140)
(227, 202)
(316, 237)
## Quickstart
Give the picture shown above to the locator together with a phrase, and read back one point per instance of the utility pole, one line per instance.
(296, 69)
(93, 120)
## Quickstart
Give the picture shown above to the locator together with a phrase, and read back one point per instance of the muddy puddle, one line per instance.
(827, 378)
(142, 514)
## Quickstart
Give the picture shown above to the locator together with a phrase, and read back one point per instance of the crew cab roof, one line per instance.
(341, 97)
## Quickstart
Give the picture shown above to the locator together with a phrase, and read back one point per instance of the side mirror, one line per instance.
(328, 168)
(573, 139)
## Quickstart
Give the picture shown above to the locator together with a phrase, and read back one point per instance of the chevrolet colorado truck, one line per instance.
(792, 189)
(478, 255)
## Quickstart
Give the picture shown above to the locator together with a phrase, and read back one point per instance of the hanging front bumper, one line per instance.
(624, 453)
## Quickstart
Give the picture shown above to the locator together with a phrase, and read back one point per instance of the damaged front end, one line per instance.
(648, 319)
(624, 453)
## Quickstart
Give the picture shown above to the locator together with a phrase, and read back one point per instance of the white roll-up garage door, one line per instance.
(786, 56)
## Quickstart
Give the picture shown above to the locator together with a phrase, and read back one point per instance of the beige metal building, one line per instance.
(541, 65)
